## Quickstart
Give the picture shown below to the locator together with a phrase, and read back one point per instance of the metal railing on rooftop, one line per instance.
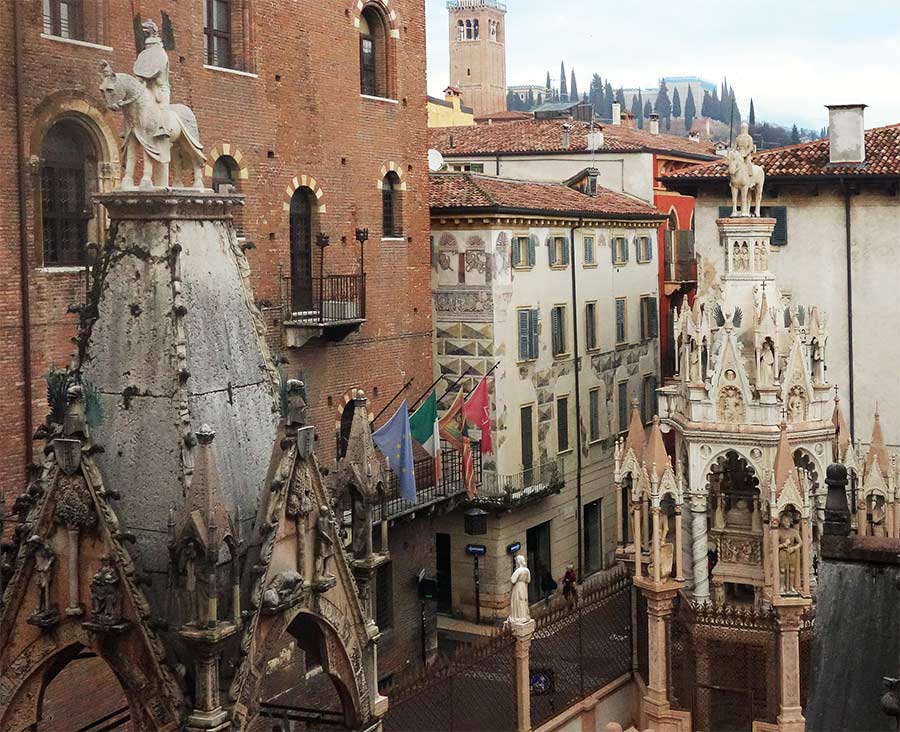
(323, 300)
(531, 483)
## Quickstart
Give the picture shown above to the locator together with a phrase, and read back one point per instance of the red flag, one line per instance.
(478, 411)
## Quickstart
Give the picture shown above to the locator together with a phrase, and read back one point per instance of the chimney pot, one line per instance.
(846, 133)
(654, 124)
(616, 113)
(565, 134)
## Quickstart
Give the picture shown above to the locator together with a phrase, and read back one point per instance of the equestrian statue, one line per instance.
(166, 133)
(745, 175)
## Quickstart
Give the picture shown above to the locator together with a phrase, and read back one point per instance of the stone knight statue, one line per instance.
(745, 146)
(152, 68)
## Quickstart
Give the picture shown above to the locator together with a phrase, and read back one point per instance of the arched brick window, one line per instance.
(475, 30)
(302, 214)
(68, 180)
(460, 31)
(226, 178)
(391, 214)
(373, 53)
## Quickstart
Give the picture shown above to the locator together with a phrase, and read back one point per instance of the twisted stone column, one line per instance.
(699, 547)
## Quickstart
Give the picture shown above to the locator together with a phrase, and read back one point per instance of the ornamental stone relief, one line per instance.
(730, 406)
(740, 551)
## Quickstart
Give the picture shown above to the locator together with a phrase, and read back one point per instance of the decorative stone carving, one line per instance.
(106, 597)
(283, 591)
(740, 551)
(519, 610)
(745, 176)
(46, 614)
(324, 545)
(74, 507)
(766, 376)
(153, 126)
(731, 405)
(296, 403)
(789, 554)
(462, 302)
(796, 404)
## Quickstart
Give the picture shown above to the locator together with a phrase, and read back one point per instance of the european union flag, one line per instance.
(394, 441)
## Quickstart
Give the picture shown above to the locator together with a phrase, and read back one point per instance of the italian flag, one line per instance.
(423, 426)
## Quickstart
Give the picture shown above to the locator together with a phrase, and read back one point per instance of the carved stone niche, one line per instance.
(730, 405)
(797, 403)
(106, 600)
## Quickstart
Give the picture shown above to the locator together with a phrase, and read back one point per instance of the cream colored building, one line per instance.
(834, 244)
(558, 289)
(449, 111)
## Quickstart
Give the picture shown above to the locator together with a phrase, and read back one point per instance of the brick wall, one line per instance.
(300, 114)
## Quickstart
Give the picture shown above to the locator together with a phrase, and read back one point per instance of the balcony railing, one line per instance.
(326, 300)
(427, 491)
(522, 487)
(681, 263)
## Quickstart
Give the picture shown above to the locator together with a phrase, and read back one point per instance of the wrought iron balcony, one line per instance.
(330, 306)
(428, 491)
(523, 487)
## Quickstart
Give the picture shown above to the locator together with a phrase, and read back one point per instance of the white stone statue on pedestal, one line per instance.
(745, 175)
(153, 126)
(519, 611)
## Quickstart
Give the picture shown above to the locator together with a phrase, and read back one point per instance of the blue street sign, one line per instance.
(514, 547)
(476, 550)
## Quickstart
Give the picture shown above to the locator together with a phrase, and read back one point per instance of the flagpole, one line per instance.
(483, 377)
(394, 398)
(425, 393)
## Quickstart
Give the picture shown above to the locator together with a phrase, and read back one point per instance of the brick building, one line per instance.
(316, 113)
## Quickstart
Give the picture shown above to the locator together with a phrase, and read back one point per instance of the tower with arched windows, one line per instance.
(478, 53)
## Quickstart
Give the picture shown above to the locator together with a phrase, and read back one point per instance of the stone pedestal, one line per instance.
(208, 715)
(523, 632)
(788, 613)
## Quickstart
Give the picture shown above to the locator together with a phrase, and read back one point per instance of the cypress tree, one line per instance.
(608, 98)
(563, 90)
(706, 107)
(530, 100)
(512, 101)
(620, 97)
(676, 104)
(715, 106)
(595, 95)
(637, 109)
(663, 105)
(548, 82)
(795, 135)
(573, 89)
(648, 109)
(690, 110)
(752, 118)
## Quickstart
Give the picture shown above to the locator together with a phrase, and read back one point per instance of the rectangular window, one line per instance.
(217, 32)
(645, 249)
(593, 536)
(594, 405)
(559, 251)
(368, 83)
(528, 333)
(589, 251)
(620, 250)
(590, 326)
(649, 326)
(558, 329)
(63, 18)
(522, 253)
(384, 596)
(468, 167)
(623, 406)
(621, 323)
(526, 423)
(648, 398)
(562, 424)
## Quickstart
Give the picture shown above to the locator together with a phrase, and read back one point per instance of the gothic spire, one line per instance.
(635, 439)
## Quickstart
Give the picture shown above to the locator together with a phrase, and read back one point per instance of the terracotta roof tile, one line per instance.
(451, 191)
(811, 159)
(537, 136)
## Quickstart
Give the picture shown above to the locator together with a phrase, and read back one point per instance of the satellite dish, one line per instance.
(435, 160)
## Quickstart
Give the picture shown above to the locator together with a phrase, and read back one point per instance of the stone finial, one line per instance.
(655, 452)
(837, 512)
(877, 450)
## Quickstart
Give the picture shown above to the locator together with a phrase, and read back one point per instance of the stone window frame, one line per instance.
(241, 55)
(386, 89)
(395, 169)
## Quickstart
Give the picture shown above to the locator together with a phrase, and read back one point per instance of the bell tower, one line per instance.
(478, 53)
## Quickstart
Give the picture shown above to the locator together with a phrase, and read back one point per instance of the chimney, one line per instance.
(565, 134)
(595, 139)
(654, 124)
(616, 113)
(592, 175)
(846, 133)
(694, 136)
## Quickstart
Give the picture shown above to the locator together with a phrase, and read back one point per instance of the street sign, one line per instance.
(514, 547)
(476, 550)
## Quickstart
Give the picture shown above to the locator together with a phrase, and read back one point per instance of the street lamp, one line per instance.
(322, 242)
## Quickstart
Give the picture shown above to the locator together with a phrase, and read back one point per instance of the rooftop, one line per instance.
(810, 160)
(541, 136)
(486, 194)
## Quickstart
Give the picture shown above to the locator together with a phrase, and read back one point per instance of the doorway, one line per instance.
(444, 596)
(301, 225)
(527, 432)
(593, 536)
(537, 542)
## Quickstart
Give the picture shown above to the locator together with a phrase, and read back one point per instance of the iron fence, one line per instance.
(533, 482)
(428, 490)
(328, 299)
(575, 651)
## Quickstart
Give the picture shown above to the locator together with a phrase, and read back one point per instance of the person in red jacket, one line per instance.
(570, 591)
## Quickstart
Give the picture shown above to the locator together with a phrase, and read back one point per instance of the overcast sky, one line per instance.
(791, 56)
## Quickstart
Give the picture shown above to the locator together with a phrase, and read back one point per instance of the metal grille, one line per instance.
(582, 650)
(65, 214)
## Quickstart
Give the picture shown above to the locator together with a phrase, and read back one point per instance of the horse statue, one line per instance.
(164, 132)
(743, 181)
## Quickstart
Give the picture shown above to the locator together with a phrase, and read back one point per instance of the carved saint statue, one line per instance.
(296, 402)
(519, 611)
(796, 406)
(878, 516)
(106, 599)
(766, 364)
(44, 559)
(745, 258)
(789, 545)
(324, 543)
(666, 548)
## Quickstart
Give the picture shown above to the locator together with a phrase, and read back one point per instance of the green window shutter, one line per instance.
(551, 250)
(534, 333)
(556, 330)
(566, 245)
(515, 255)
(654, 325)
(532, 246)
(625, 249)
(562, 424)
(595, 414)
(612, 249)
(724, 212)
(779, 234)
(524, 334)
